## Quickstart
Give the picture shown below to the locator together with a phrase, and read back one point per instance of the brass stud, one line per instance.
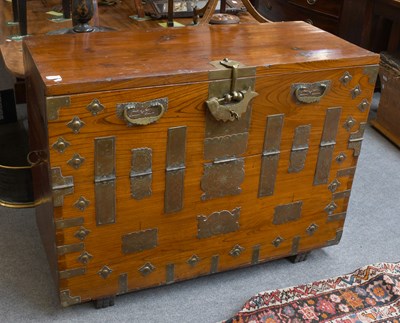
(350, 123)
(147, 269)
(76, 161)
(81, 204)
(277, 241)
(105, 272)
(330, 208)
(60, 145)
(75, 124)
(334, 185)
(85, 257)
(312, 228)
(95, 107)
(82, 233)
(346, 78)
(341, 158)
(236, 251)
(193, 260)
(363, 105)
(356, 92)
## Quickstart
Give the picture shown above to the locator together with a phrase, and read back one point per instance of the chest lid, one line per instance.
(92, 62)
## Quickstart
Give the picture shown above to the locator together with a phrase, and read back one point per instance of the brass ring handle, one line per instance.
(142, 113)
(144, 120)
(310, 92)
(311, 2)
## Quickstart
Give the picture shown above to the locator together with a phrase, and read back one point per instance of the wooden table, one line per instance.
(116, 17)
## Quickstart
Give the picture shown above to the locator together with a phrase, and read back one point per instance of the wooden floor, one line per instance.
(116, 17)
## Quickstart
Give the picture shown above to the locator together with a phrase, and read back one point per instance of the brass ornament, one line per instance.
(331, 207)
(82, 233)
(61, 145)
(75, 124)
(341, 158)
(346, 78)
(277, 241)
(82, 203)
(84, 258)
(363, 105)
(193, 260)
(95, 107)
(355, 92)
(147, 269)
(105, 272)
(76, 161)
(312, 228)
(350, 123)
(236, 251)
(334, 185)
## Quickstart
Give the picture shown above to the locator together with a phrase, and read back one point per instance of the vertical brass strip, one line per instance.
(175, 169)
(61, 186)
(299, 148)
(255, 257)
(104, 178)
(214, 264)
(327, 146)
(123, 283)
(270, 156)
(295, 245)
(141, 173)
(170, 273)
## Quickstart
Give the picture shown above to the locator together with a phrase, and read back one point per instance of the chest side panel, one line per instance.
(169, 211)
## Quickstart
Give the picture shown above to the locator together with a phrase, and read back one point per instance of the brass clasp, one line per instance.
(232, 105)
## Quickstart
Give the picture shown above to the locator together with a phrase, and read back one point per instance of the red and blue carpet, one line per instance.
(369, 294)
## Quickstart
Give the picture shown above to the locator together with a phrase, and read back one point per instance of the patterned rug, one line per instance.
(369, 294)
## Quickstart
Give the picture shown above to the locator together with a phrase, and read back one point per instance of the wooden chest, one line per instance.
(323, 14)
(170, 154)
(388, 116)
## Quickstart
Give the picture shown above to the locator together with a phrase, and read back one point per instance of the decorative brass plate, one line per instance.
(139, 241)
(287, 212)
(218, 223)
(222, 179)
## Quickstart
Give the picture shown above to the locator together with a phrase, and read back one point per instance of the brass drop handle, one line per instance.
(230, 107)
(311, 2)
(233, 104)
(142, 113)
(310, 92)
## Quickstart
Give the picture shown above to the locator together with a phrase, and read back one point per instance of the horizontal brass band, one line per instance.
(336, 217)
(69, 248)
(69, 273)
(68, 223)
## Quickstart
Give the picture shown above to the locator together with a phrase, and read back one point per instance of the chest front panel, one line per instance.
(186, 195)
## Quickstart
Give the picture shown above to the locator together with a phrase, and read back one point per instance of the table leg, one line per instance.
(15, 10)
(23, 25)
(66, 7)
(170, 21)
